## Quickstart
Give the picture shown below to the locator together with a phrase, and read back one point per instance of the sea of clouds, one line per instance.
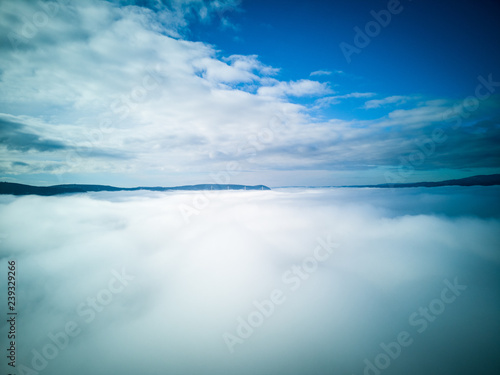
(288, 281)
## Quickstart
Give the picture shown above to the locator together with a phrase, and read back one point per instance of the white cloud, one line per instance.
(192, 281)
(336, 99)
(146, 99)
(153, 103)
(107, 89)
(376, 103)
(321, 73)
(239, 69)
(251, 63)
(303, 87)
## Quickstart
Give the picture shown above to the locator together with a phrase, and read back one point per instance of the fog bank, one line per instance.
(289, 281)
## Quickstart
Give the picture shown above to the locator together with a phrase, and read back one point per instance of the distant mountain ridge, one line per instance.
(21, 189)
(479, 180)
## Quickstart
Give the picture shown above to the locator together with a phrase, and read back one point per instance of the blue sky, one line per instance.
(248, 92)
(428, 48)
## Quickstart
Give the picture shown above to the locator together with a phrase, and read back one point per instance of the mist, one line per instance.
(287, 281)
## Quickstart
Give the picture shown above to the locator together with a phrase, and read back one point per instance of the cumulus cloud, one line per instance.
(241, 69)
(167, 102)
(182, 285)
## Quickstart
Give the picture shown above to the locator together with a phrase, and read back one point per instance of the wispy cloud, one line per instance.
(336, 99)
(302, 87)
(321, 73)
(376, 103)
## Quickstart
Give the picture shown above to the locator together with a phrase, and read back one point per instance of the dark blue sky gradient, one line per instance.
(436, 49)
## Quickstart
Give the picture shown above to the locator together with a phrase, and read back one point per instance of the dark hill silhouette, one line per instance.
(21, 189)
(479, 180)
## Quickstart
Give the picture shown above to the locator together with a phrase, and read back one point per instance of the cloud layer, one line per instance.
(182, 286)
(116, 88)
